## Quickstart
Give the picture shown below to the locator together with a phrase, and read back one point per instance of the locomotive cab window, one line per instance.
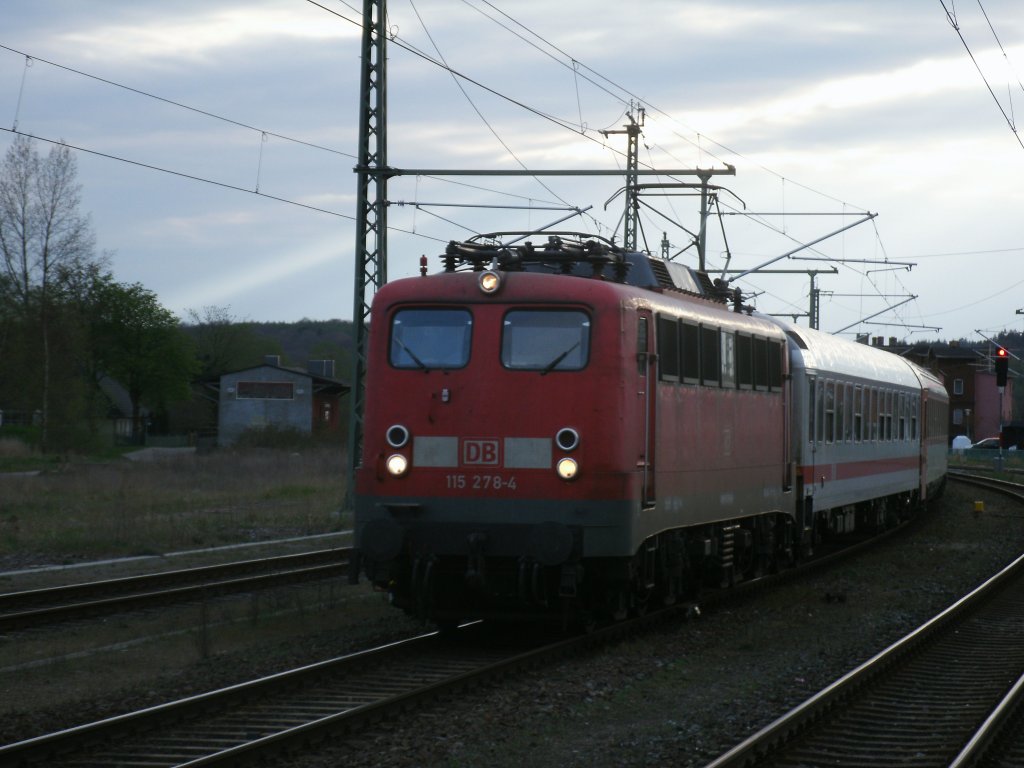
(545, 340)
(430, 338)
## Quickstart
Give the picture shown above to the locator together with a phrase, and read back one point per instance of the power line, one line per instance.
(178, 104)
(951, 17)
(179, 174)
(476, 109)
(206, 113)
(575, 65)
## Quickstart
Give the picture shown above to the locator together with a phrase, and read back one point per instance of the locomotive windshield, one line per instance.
(545, 340)
(431, 338)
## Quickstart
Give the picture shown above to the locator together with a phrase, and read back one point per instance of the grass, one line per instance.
(82, 509)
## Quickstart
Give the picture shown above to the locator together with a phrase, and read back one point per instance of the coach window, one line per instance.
(872, 414)
(710, 368)
(690, 338)
(858, 413)
(431, 338)
(830, 411)
(842, 411)
(915, 407)
(811, 408)
(902, 411)
(668, 348)
(819, 412)
(545, 340)
(888, 415)
(728, 360)
(848, 435)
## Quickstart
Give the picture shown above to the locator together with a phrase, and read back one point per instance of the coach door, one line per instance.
(922, 436)
(646, 371)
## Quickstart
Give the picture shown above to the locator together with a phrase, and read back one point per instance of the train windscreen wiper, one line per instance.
(551, 366)
(412, 355)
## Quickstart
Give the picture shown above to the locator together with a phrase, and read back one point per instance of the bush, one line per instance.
(272, 436)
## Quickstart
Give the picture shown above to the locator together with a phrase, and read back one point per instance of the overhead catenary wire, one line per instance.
(951, 17)
(476, 109)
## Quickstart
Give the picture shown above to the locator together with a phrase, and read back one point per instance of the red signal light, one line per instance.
(1002, 365)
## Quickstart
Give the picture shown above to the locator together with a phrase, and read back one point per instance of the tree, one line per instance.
(223, 343)
(140, 344)
(44, 241)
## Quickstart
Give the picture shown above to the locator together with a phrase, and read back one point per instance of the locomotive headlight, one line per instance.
(567, 468)
(397, 464)
(489, 281)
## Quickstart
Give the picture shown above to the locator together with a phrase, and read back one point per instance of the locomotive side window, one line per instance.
(760, 363)
(728, 360)
(668, 348)
(545, 340)
(775, 352)
(430, 338)
(710, 368)
(691, 353)
(744, 361)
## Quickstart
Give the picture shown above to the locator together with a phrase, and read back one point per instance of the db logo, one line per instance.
(480, 452)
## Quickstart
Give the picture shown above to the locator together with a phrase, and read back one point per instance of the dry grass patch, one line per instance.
(148, 507)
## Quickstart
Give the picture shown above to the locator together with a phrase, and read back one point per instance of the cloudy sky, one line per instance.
(215, 142)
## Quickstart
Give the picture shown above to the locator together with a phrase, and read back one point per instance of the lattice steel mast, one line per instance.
(371, 263)
(632, 213)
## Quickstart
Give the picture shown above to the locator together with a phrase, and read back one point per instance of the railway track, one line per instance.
(252, 719)
(259, 718)
(948, 694)
(36, 607)
(1004, 487)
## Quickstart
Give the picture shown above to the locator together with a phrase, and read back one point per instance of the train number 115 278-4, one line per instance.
(480, 482)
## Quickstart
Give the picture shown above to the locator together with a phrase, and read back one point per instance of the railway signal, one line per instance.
(1002, 365)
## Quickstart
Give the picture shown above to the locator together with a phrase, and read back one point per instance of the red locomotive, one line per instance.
(569, 430)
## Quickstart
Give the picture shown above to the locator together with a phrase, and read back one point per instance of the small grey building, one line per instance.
(270, 395)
